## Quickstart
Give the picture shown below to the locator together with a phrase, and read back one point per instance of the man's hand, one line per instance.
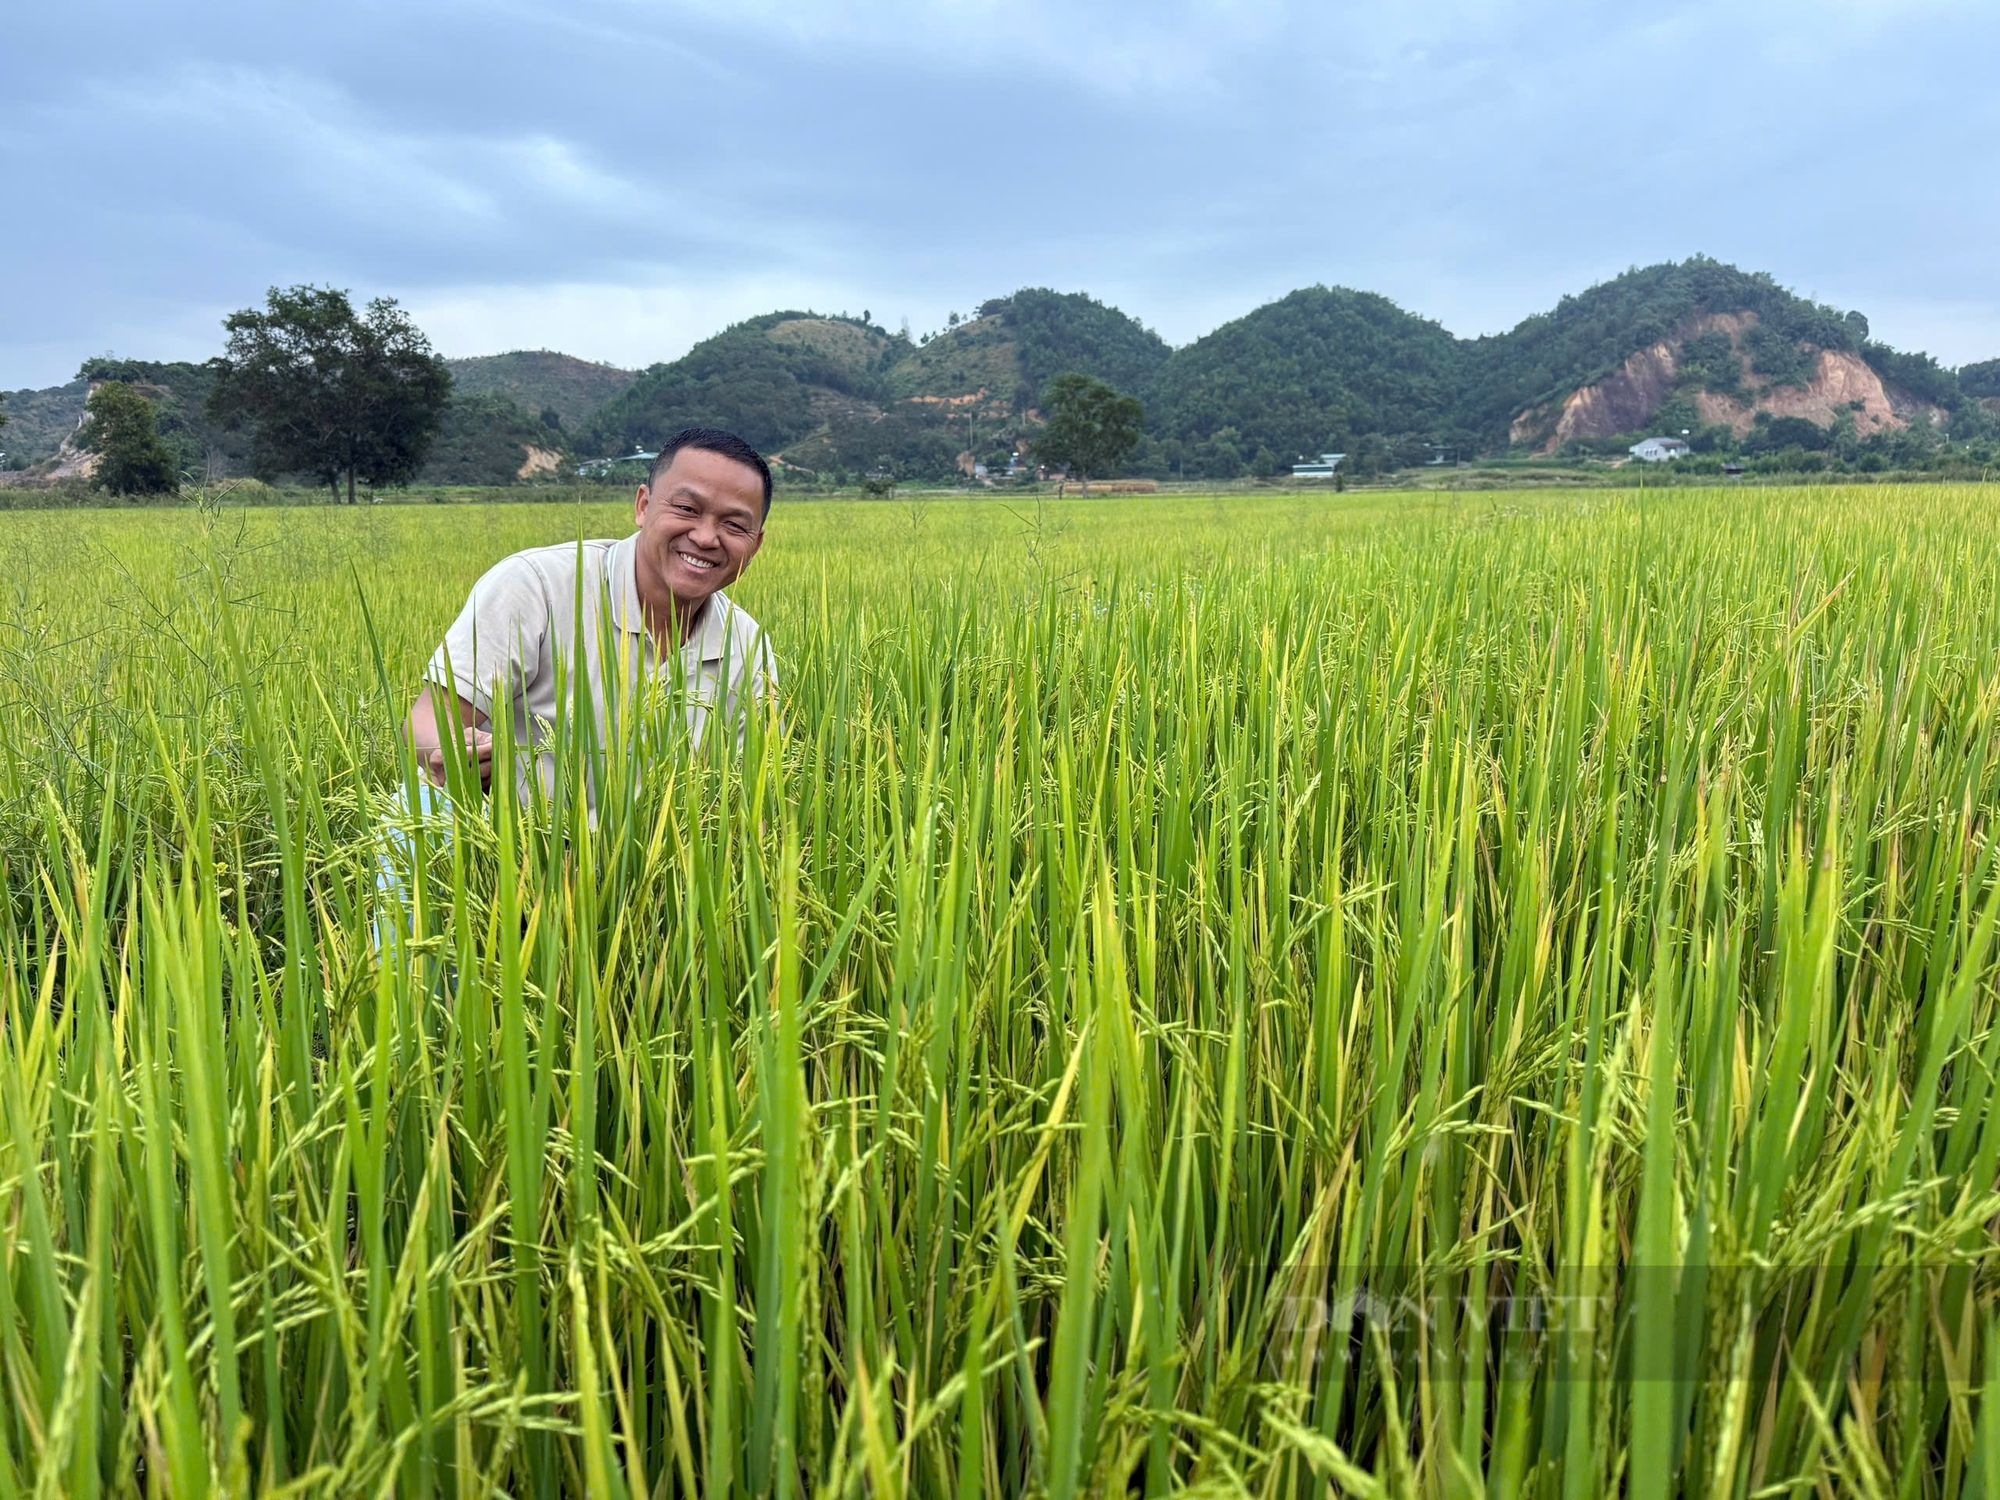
(428, 728)
(478, 749)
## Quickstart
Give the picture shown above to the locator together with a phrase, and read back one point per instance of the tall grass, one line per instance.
(1239, 996)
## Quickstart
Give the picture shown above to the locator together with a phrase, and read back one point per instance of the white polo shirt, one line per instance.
(522, 617)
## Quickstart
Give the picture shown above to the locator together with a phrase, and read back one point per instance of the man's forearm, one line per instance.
(427, 735)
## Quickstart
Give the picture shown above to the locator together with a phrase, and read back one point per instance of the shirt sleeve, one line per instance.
(496, 642)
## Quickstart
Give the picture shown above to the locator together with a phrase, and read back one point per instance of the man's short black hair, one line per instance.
(713, 440)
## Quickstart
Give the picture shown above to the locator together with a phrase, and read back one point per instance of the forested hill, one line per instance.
(759, 378)
(842, 394)
(39, 420)
(1730, 357)
(1704, 347)
(1056, 332)
(540, 380)
(1981, 382)
(1692, 345)
(484, 439)
(1589, 335)
(1321, 368)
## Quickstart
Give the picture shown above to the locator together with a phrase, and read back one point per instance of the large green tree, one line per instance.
(1981, 380)
(331, 392)
(121, 430)
(1091, 427)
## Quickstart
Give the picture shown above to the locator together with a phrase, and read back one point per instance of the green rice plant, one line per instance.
(1271, 995)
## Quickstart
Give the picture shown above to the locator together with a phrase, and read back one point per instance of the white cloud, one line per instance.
(632, 326)
(622, 177)
(309, 141)
(1110, 47)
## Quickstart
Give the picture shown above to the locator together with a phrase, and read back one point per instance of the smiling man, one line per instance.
(654, 598)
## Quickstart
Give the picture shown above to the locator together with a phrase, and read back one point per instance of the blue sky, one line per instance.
(619, 178)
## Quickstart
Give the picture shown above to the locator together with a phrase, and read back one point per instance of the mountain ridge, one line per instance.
(1695, 345)
(820, 391)
(539, 380)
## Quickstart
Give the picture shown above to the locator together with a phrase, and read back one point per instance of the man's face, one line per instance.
(699, 526)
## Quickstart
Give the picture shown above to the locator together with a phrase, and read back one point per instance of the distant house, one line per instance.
(1320, 468)
(1658, 450)
(599, 467)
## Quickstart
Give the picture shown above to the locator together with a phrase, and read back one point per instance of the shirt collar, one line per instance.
(710, 640)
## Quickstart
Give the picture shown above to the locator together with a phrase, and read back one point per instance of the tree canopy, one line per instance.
(1091, 427)
(755, 378)
(1057, 332)
(120, 430)
(1981, 380)
(179, 391)
(1322, 366)
(1917, 375)
(328, 392)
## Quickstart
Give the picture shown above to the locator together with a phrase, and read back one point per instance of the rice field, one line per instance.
(1375, 996)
